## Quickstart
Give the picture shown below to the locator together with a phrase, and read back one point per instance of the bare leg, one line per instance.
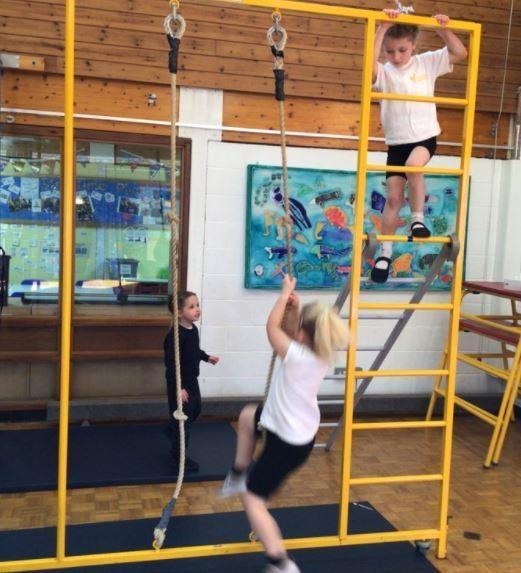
(245, 438)
(395, 186)
(416, 182)
(264, 525)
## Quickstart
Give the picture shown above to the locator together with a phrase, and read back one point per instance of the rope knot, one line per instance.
(180, 415)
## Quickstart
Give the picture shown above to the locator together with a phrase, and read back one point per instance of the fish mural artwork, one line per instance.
(321, 226)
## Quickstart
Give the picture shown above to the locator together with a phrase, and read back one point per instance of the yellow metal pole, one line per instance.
(452, 359)
(66, 273)
(361, 176)
(349, 12)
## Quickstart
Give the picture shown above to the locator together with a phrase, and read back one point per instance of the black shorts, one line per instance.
(398, 154)
(277, 460)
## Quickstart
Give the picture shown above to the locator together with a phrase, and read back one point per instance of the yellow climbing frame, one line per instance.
(368, 18)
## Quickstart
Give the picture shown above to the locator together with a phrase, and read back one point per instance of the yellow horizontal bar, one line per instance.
(423, 169)
(510, 317)
(382, 373)
(298, 6)
(405, 239)
(395, 479)
(491, 323)
(405, 305)
(445, 101)
(507, 354)
(212, 550)
(472, 408)
(484, 366)
(398, 425)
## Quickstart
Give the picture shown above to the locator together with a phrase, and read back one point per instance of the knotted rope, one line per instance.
(174, 26)
(277, 38)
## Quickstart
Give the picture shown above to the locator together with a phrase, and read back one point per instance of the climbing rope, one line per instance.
(175, 26)
(277, 38)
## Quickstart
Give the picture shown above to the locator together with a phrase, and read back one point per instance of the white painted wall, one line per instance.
(233, 319)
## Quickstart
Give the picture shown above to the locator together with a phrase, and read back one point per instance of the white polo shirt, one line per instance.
(291, 409)
(411, 121)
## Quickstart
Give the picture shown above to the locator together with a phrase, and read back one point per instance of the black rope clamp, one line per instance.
(175, 26)
(277, 53)
(174, 44)
(279, 85)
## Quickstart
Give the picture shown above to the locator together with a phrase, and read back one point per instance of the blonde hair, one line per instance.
(326, 330)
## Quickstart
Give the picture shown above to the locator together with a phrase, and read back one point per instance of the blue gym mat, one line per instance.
(401, 557)
(109, 455)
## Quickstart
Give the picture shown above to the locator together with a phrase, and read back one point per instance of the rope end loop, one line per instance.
(159, 538)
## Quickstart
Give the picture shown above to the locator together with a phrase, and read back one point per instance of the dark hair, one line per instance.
(182, 296)
(397, 31)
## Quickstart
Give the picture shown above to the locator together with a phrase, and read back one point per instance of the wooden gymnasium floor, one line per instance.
(484, 503)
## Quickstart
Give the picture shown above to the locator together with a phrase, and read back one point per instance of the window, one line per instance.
(122, 225)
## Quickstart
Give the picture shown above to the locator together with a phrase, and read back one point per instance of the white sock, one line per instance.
(386, 250)
(416, 218)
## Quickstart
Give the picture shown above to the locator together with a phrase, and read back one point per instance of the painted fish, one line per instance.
(301, 238)
(427, 260)
(376, 220)
(336, 216)
(279, 252)
(328, 195)
(329, 251)
(343, 269)
(297, 210)
(333, 234)
(377, 201)
(402, 264)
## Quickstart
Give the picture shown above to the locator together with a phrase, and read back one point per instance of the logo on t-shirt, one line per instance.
(417, 78)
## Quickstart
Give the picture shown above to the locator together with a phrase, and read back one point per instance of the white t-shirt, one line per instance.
(291, 409)
(411, 121)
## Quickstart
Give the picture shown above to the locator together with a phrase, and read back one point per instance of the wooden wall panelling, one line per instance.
(29, 338)
(261, 112)
(223, 43)
(92, 96)
(27, 90)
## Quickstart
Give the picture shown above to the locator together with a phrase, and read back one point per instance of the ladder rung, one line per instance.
(395, 479)
(472, 408)
(382, 373)
(407, 239)
(484, 366)
(375, 316)
(441, 100)
(403, 169)
(406, 305)
(408, 425)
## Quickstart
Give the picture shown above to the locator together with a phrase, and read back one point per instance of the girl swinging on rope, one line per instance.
(290, 415)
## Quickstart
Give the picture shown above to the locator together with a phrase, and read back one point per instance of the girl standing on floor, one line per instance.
(190, 356)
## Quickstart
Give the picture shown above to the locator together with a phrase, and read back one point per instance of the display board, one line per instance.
(99, 201)
(322, 214)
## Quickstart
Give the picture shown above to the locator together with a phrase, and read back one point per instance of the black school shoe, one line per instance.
(419, 230)
(380, 275)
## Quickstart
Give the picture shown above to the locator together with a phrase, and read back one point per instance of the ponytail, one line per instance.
(326, 330)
